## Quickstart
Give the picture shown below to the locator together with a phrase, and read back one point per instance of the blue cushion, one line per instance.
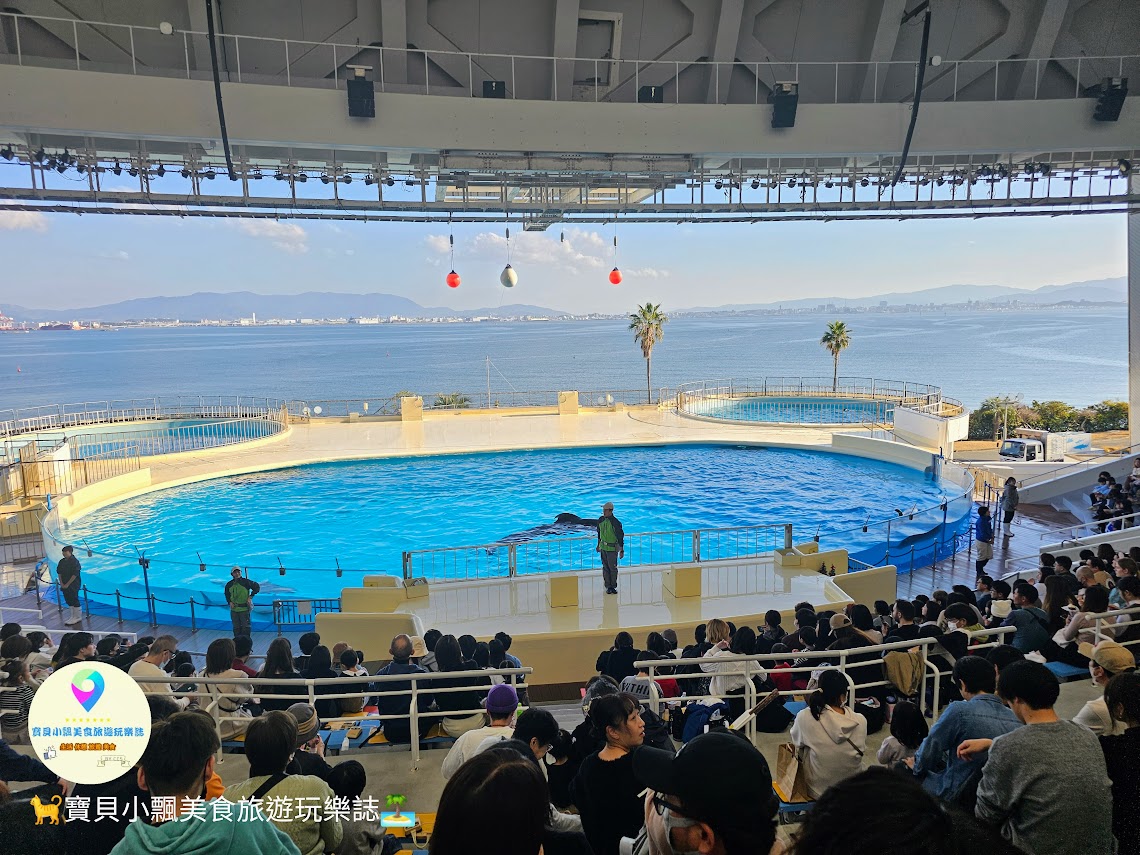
(1067, 672)
(794, 707)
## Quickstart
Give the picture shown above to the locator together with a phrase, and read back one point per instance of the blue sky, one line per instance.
(63, 260)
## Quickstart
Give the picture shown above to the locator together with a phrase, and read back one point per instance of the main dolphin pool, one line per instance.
(362, 516)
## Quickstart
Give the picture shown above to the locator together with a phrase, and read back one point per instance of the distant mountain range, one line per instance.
(244, 304)
(1092, 291)
(317, 305)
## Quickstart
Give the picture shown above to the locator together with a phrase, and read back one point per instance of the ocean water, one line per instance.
(364, 515)
(1077, 356)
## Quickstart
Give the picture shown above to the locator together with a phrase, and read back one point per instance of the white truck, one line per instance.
(1033, 446)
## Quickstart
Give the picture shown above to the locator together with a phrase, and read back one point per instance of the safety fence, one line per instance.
(58, 42)
(389, 405)
(54, 417)
(226, 698)
(44, 476)
(809, 400)
(551, 555)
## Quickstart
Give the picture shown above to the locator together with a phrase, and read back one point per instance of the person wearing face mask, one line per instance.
(714, 797)
(178, 761)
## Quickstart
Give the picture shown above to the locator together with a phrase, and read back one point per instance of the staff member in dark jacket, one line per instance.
(239, 594)
(67, 572)
(611, 546)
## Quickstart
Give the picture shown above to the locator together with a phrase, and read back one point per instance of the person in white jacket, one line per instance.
(728, 677)
(831, 738)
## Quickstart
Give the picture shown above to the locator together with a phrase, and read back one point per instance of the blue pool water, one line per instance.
(794, 410)
(161, 436)
(364, 514)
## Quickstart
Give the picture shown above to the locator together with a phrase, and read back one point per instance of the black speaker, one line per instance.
(784, 98)
(1110, 100)
(361, 98)
(650, 95)
(494, 89)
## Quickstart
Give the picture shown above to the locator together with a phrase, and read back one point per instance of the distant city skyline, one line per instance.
(61, 260)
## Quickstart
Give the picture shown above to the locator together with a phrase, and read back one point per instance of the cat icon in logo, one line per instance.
(50, 812)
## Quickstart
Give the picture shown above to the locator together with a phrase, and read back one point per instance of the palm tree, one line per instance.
(646, 324)
(837, 339)
(397, 801)
(454, 401)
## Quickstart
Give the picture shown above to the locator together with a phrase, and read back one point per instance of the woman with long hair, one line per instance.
(460, 708)
(605, 790)
(1057, 599)
(279, 666)
(234, 700)
(832, 739)
(320, 668)
(617, 662)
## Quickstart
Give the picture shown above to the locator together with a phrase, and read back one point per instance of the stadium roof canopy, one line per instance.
(111, 107)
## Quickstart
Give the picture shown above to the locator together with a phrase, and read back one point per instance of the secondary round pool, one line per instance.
(792, 410)
(363, 515)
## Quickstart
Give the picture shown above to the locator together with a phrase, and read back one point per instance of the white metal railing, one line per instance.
(1124, 521)
(23, 420)
(97, 634)
(1103, 619)
(752, 665)
(209, 694)
(143, 50)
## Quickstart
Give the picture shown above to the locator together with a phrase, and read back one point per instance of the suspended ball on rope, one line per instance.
(508, 277)
(452, 279)
(615, 276)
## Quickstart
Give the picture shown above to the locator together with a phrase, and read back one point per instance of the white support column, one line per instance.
(1134, 317)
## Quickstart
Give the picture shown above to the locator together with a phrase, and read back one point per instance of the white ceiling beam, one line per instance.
(882, 48)
(316, 61)
(394, 21)
(1044, 40)
(750, 49)
(565, 45)
(728, 26)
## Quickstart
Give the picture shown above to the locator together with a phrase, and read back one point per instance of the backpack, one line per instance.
(904, 669)
(697, 715)
(656, 731)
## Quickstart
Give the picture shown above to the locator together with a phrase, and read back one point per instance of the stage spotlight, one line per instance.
(81, 168)
(133, 172)
(1044, 168)
(39, 156)
(411, 182)
(6, 152)
(1124, 167)
(185, 172)
(325, 178)
(256, 176)
(924, 180)
(755, 184)
(1111, 99)
(61, 168)
(791, 182)
(718, 184)
(347, 179)
(209, 173)
(279, 175)
(369, 179)
(390, 181)
(940, 180)
(117, 168)
(828, 183)
(302, 177)
(863, 182)
(160, 171)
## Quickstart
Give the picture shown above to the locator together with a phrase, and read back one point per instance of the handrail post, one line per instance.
(414, 721)
(787, 535)
(86, 603)
(406, 563)
(119, 605)
(696, 546)
(193, 624)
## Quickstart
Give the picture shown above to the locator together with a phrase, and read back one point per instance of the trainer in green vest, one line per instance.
(607, 537)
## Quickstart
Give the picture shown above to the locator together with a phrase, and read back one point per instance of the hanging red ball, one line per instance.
(615, 276)
(452, 279)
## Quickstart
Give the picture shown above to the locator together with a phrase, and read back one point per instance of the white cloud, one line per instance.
(646, 272)
(438, 244)
(116, 255)
(29, 221)
(287, 237)
(572, 249)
